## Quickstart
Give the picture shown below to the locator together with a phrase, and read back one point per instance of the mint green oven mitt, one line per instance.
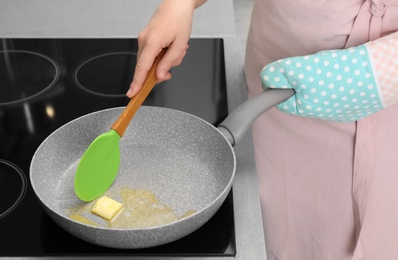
(338, 85)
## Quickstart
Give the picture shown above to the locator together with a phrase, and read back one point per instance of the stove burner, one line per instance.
(12, 187)
(25, 75)
(106, 75)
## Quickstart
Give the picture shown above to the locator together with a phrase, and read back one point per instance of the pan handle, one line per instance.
(235, 126)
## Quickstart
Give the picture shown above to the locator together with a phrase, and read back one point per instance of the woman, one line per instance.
(328, 189)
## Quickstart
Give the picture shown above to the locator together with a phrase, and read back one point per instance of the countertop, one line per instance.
(125, 19)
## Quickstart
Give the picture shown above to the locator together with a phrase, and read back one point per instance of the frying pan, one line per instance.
(188, 163)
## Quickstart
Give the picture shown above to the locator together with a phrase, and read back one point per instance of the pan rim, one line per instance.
(153, 228)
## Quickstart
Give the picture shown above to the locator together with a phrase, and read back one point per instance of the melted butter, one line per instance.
(188, 213)
(141, 209)
(82, 219)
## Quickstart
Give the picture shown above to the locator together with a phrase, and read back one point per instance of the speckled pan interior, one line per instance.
(183, 159)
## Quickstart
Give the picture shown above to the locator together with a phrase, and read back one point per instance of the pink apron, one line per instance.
(328, 190)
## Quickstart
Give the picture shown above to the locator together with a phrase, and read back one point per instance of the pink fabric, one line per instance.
(328, 190)
(384, 53)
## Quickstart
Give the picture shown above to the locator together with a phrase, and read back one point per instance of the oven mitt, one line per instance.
(339, 85)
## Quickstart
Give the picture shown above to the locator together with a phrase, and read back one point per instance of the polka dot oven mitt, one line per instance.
(339, 85)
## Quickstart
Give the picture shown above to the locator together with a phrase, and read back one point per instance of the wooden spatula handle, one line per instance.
(132, 107)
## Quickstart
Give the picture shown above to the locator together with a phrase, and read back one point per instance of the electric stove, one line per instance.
(45, 83)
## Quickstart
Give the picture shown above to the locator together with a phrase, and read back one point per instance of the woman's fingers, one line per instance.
(144, 63)
(169, 27)
(173, 57)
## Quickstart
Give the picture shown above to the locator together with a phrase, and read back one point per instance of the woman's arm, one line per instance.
(170, 27)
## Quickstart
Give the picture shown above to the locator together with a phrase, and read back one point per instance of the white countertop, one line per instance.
(125, 19)
(102, 18)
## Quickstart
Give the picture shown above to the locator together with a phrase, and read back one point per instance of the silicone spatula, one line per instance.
(99, 164)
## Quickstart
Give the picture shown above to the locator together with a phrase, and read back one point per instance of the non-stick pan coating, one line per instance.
(183, 159)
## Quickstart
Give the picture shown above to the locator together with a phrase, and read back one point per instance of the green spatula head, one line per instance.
(100, 163)
(98, 167)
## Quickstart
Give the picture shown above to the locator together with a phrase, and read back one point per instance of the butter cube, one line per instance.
(106, 207)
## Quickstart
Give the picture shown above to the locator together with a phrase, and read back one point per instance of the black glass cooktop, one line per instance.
(45, 83)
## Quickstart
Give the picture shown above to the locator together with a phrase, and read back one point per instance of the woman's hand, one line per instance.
(170, 27)
(339, 85)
